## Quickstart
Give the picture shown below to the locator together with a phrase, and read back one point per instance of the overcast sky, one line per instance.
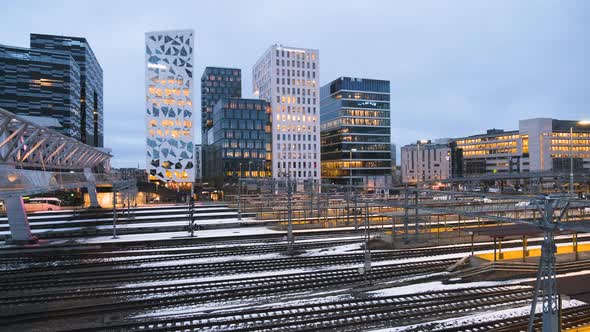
(456, 67)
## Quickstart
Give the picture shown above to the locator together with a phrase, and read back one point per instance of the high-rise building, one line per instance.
(56, 77)
(169, 105)
(91, 86)
(240, 141)
(355, 132)
(217, 83)
(288, 78)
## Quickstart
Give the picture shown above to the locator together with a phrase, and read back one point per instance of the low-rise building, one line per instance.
(426, 161)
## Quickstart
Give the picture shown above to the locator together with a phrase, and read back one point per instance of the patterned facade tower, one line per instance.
(169, 105)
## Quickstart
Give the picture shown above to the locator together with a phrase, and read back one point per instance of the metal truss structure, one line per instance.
(24, 144)
(545, 212)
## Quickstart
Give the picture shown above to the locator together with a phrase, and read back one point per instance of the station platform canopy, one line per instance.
(511, 230)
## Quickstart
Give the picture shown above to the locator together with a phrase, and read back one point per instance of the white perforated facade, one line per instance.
(169, 105)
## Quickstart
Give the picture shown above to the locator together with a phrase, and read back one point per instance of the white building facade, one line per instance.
(169, 106)
(288, 78)
(425, 162)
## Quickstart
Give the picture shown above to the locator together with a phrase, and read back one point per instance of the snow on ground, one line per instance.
(480, 317)
(220, 307)
(436, 286)
(222, 277)
(335, 250)
(208, 260)
(208, 233)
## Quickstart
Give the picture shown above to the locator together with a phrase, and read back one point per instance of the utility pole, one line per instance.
(367, 238)
(406, 214)
(114, 213)
(240, 194)
(356, 225)
(416, 225)
(546, 278)
(191, 216)
(571, 161)
(349, 184)
(290, 238)
(311, 199)
(319, 201)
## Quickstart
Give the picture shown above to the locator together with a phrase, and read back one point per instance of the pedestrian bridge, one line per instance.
(36, 159)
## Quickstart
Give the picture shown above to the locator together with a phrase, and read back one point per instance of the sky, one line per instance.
(456, 68)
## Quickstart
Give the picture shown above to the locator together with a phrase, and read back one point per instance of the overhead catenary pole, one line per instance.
(406, 213)
(571, 160)
(290, 238)
(349, 184)
(114, 213)
(240, 194)
(546, 276)
(367, 256)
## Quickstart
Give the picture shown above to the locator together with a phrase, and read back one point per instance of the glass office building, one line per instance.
(217, 83)
(91, 86)
(57, 77)
(355, 132)
(241, 140)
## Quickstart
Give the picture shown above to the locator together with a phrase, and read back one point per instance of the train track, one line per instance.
(96, 259)
(169, 253)
(288, 281)
(342, 315)
(571, 318)
(13, 280)
(137, 298)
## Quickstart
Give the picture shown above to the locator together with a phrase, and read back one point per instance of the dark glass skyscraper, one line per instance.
(91, 103)
(58, 77)
(241, 135)
(41, 83)
(217, 83)
(355, 132)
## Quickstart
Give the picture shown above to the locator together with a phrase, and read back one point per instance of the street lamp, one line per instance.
(582, 123)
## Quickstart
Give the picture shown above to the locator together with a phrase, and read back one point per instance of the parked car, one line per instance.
(42, 204)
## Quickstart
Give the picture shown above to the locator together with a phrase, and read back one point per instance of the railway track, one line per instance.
(308, 280)
(99, 258)
(141, 298)
(168, 253)
(570, 317)
(340, 315)
(66, 277)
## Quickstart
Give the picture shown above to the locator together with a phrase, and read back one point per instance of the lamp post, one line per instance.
(349, 185)
(583, 123)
